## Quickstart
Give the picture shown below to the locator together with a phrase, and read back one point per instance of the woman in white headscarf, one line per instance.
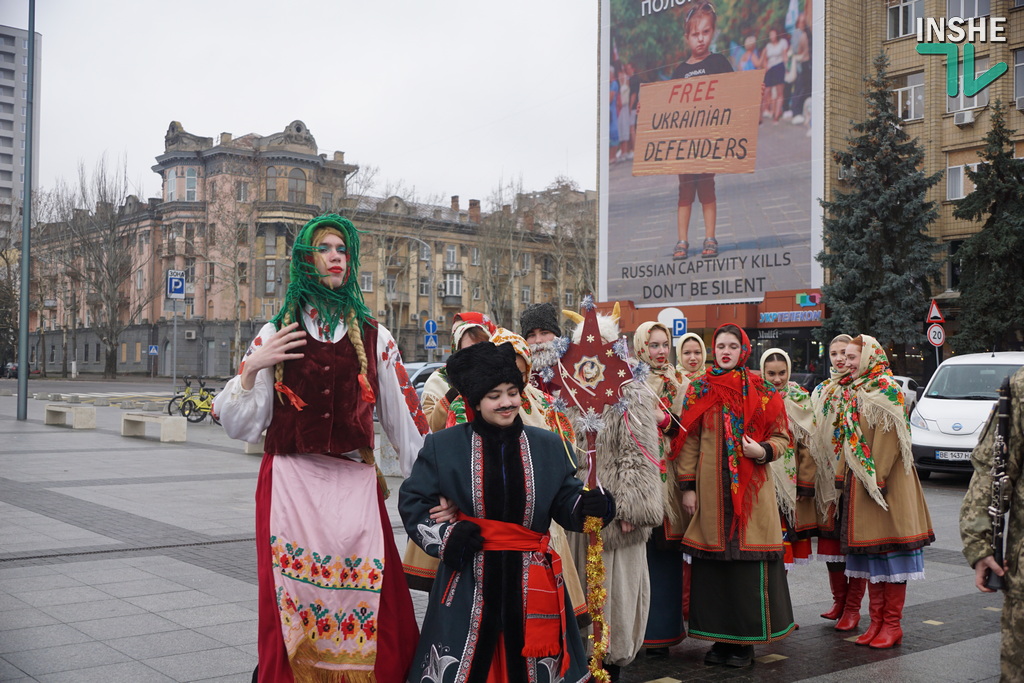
(691, 355)
(670, 575)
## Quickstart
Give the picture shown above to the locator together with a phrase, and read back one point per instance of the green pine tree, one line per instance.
(880, 258)
(992, 260)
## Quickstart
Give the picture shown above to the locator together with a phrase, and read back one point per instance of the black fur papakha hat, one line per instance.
(539, 317)
(477, 369)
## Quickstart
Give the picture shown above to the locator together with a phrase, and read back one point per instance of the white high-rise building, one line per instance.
(14, 123)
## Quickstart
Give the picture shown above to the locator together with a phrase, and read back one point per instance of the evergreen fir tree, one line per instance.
(879, 255)
(992, 260)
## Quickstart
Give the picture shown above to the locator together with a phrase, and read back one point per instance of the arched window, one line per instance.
(297, 186)
(271, 184)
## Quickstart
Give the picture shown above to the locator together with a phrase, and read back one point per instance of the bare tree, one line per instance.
(92, 220)
(503, 235)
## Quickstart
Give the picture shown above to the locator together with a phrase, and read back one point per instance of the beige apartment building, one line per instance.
(227, 216)
(949, 129)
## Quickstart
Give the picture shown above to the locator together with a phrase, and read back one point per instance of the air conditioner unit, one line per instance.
(190, 334)
(964, 118)
(414, 317)
(845, 172)
(440, 319)
(1020, 103)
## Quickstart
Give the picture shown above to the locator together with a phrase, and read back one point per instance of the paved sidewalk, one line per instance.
(128, 560)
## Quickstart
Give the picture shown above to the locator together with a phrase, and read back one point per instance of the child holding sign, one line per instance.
(700, 27)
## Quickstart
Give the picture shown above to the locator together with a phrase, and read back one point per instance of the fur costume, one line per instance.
(626, 455)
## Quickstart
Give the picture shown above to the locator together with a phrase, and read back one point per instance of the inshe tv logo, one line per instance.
(941, 37)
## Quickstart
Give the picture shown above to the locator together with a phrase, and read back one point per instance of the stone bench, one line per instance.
(82, 417)
(172, 428)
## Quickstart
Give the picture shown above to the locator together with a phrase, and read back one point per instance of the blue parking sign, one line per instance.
(678, 327)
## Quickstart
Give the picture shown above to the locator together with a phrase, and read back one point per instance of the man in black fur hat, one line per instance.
(509, 481)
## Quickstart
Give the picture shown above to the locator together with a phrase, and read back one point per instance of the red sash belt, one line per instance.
(544, 633)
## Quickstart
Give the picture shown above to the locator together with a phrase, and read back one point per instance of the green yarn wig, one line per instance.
(305, 287)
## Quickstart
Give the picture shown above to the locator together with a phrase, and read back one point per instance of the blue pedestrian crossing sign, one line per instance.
(678, 327)
(429, 341)
(430, 326)
(175, 284)
(154, 350)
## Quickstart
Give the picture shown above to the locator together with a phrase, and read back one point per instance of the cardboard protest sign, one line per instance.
(704, 124)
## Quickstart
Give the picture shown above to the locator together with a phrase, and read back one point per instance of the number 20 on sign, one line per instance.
(936, 335)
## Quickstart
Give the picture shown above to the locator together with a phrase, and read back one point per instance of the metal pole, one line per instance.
(26, 219)
(174, 344)
(430, 296)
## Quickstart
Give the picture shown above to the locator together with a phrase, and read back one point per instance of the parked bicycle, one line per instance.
(194, 406)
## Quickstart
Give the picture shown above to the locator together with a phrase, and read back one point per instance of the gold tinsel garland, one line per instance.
(596, 597)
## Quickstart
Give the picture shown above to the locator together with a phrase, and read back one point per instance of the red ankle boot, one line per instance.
(851, 610)
(839, 584)
(876, 601)
(891, 633)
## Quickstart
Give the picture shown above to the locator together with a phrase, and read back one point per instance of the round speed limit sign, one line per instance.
(936, 335)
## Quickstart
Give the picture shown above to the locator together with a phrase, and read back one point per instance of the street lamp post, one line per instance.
(430, 274)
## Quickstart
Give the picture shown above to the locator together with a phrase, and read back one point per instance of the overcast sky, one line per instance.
(448, 97)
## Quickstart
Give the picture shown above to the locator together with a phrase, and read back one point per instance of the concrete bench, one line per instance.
(256, 448)
(172, 428)
(82, 417)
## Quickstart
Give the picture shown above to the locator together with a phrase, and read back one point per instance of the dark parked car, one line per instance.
(808, 380)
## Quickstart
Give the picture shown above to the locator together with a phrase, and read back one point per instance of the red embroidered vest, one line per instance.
(336, 420)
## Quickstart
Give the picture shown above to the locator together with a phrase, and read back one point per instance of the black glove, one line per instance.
(463, 541)
(596, 503)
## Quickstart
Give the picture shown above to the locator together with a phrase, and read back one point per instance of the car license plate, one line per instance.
(952, 455)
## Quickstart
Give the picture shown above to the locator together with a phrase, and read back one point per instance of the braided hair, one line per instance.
(332, 305)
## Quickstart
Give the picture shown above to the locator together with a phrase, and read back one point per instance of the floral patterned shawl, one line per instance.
(871, 398)
(748, 406)
(801, 422)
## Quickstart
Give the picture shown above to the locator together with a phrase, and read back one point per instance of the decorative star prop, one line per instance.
(594, 387)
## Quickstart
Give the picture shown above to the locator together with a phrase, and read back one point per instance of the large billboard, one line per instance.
(712, 149)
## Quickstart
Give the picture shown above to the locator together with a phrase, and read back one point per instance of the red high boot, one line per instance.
(892, 614)
(851, 610)
(838, 582)
(876, 603)
(686, 591)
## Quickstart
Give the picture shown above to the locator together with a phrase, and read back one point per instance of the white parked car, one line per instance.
(947, 422)
(911, 391)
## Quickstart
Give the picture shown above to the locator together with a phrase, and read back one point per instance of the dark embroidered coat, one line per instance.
(510, 475)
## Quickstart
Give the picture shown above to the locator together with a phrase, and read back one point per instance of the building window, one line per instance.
(961, 101)
(548, 269)
(453, 284)
(271, 184)
(957, 181)
(390, 284)
(954, 263)
(297, 186)
(326, 201)
(1018, 71)
(241, 191)
(140, 278)
(527, 260)
(424, 252)
(270, 241)
(965, 9)
(476, 293)
(570, 299)
(242, 268)
(903, 15)
(475, 251)
(366, 281)
(241, 234)
(450, 254)
(190, 184)
(271, 277)
(138, 352)
(172, 184)
(525, 295)
(190, 270)
(424, 286)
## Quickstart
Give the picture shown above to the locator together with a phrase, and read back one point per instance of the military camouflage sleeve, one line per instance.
(975, 524)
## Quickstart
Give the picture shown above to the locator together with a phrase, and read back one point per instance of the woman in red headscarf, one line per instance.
(734, 424)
